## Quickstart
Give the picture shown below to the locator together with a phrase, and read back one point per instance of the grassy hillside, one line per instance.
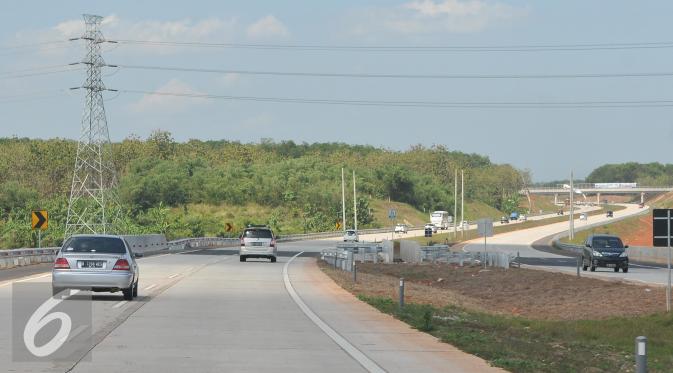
(405, 214)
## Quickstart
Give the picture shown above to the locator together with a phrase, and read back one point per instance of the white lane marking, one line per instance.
(24, 279)
(120, 304)
(356, 354)
(174, 275)
(643, 266)
(151, 287)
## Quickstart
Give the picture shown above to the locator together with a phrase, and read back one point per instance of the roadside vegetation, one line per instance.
(195, 188)
(523, 320)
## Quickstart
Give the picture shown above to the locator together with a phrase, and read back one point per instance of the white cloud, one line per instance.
(429, 16)
(230, 79)
(167, 103)
(115, 28)
(267, 27)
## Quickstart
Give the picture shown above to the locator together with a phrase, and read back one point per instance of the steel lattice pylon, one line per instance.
(94, 205)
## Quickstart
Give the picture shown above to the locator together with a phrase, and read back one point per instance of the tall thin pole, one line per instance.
(343, 200)
(455, 203)
(355, 205)
(571, 226)
(668, 235)
(462, 200)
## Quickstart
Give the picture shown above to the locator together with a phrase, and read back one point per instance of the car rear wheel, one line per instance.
(135, 289)
(593, 268)
(616, 269)
(273, 259)
(128, 293)
(241, 258)
(625, 269)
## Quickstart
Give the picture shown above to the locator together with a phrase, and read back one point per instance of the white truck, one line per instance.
(441, 219)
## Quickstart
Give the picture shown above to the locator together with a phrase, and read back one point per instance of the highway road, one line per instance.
(204, 311)
(522, 242)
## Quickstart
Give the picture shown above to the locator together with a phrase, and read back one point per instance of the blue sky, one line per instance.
(548, 141)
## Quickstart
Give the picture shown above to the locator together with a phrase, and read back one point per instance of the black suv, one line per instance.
(605, 251)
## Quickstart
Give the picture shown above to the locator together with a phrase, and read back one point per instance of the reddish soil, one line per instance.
(642, 236)
(516, 292)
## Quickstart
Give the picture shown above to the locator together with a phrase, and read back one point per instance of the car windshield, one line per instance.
(436, 215)
(106, 245)
(350, 233)
(608, 243)
(257, 233)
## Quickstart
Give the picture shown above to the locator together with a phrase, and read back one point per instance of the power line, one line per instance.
(409, 48)
(4, 76)
(32, 45)
(427, 104)
(402, 76)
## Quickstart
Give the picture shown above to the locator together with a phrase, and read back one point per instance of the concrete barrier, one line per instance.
(410, 251)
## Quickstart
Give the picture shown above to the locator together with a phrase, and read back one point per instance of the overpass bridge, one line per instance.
(593, 189)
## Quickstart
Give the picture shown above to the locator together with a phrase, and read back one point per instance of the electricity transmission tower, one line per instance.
(94, 205)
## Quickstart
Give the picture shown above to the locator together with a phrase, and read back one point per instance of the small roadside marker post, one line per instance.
(641, 354)
(579, 259)
(401, 292)
(355, 273)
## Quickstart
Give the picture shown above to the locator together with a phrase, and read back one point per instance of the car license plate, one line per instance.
(258, 244)
(611, 265)
(92, 264)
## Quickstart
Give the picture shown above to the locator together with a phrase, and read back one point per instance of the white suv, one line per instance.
(401, 228)
(431, 226)
(258, 242)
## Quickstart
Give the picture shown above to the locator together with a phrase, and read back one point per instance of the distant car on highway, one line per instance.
(351, 236)
(258, 241)
(431, 226)
(605, 251)
(504, 220)
(401, 228)
(514, 216)
(559, 212)
(641, 205)
(609, 214)
(583, 216)
(523, 218)
(100, 263)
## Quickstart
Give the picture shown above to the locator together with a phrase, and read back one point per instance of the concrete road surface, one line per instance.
(204, 311)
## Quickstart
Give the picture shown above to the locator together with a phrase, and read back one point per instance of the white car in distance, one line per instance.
(351, 235)
(401, 228)
(431, 226)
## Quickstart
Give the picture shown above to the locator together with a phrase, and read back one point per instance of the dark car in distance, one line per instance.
(605, 251)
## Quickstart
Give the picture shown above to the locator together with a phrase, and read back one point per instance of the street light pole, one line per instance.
(571, 227)
(355, 206)
(343, 200)
(462, 201)
(455, 204)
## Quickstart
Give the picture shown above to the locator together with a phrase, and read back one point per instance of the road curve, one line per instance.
(521, 242)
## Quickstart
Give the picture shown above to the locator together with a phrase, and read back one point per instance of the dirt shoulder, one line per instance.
(537, 295)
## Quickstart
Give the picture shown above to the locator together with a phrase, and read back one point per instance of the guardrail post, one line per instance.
(579, 259)
(641, 354)
(401, 292)
(355, 273)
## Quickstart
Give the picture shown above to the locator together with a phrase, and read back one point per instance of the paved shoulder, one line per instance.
(392, 344)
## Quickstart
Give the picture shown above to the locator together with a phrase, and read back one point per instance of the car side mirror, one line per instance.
(626, 246)
(138, 255)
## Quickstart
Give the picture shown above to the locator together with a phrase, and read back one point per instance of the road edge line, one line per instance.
(351, 350)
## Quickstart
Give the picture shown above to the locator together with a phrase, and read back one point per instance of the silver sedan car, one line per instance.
(96, 263)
